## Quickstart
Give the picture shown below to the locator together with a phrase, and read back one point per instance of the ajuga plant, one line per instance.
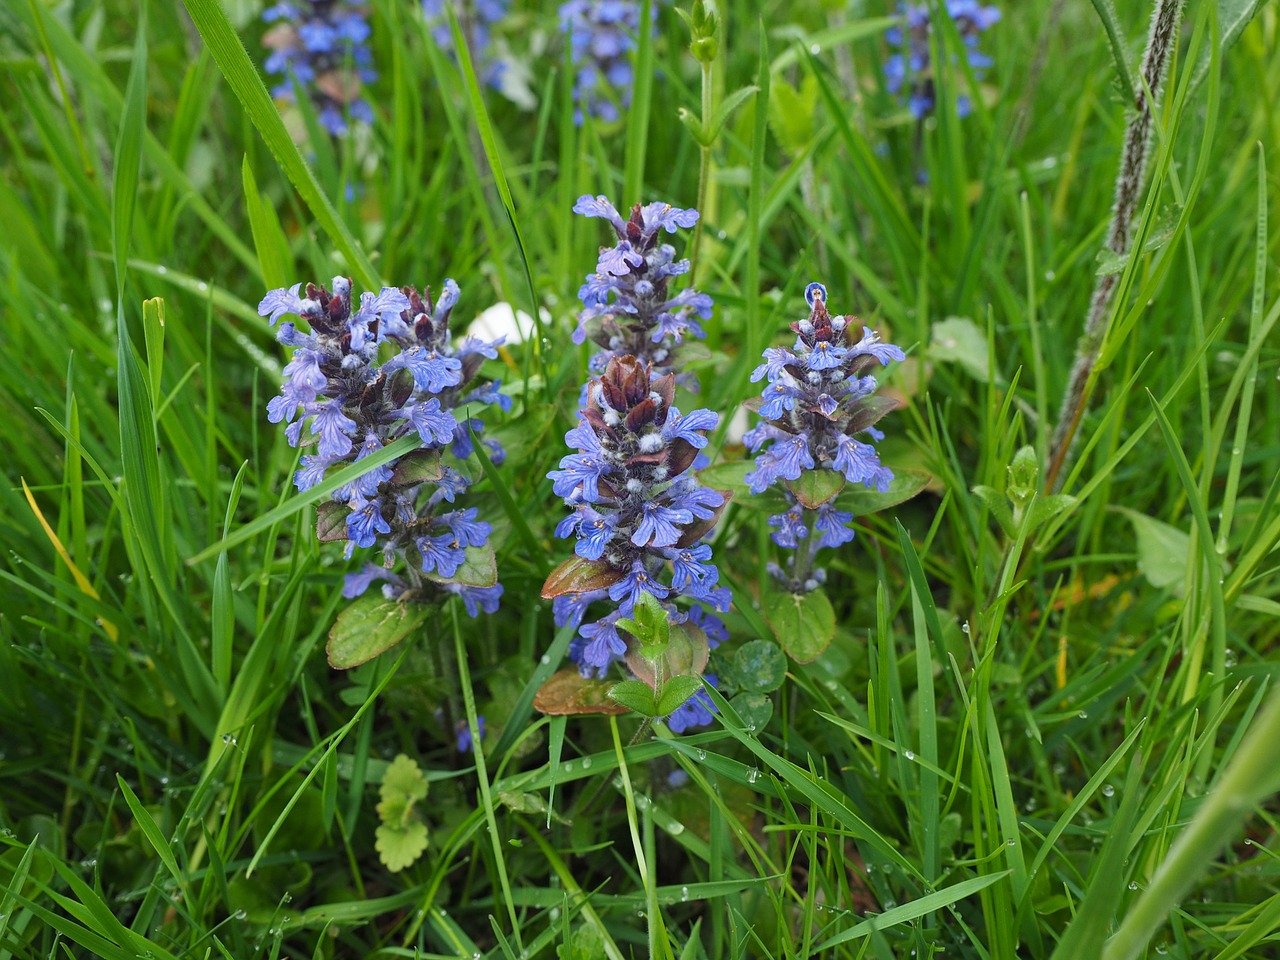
(628, 307)
(640, 516)
(477, 20)
(344, 404)
(601, 34)
(323, 46)
(909, 70)
(819, 396)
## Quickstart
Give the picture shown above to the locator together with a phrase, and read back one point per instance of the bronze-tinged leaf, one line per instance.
(700, 528)
(568, 693)
(753, 403)
(331, 521)
(417, 466)
(868, 410)
(681, 456)
(642, 413)
(665, 388)
(813, 488)
(400, 387)
(577, 575)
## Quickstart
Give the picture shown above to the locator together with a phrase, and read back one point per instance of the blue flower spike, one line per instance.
(819, 395)
(909, 72)
(638, 513)
(352, 406)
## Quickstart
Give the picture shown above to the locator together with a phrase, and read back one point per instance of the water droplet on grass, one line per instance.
(1108, 790)
(909, 755)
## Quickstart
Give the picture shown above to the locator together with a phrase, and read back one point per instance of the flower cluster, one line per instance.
(355, 406)
(819, 395)
(628, 306)
(637, 507)
(323, 45)
(910, 69)
(476, 19)
(601, 34)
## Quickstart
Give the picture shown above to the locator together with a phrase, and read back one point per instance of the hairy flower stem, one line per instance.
(704, 173)
(1129, 181)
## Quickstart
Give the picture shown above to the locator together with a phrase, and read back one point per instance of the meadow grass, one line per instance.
(1042, 732)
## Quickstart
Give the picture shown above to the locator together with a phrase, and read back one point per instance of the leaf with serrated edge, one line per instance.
(370, 626)
(635, 696)
(569, 693)
(676, 692)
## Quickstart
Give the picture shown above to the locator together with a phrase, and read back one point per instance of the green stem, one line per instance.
(704, 175)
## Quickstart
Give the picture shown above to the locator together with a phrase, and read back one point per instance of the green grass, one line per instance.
(1057, 739)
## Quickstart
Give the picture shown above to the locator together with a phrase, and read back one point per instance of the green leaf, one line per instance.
(755, 709)
(676, 691)
(569, 693)
(1162, 549)
(417, 466)
(813, 488)
(370, 626)
(479, 569)
(998, 503)
(153, 340)
(862, 500)
(400, 847)
(403, 778)
(1049, 507)
(960, 340)
(930, 903)
(730, 103)
(1233, 17)
(1107, 14)
(791, 113)
(804, 623)
(759, 666)
(268, 239)
(635, 695)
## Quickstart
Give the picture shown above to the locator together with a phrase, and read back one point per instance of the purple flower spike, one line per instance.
(337, 392)
(636, 507)
(909, 71)
(818, 396)
(629, 308)
(324, 48)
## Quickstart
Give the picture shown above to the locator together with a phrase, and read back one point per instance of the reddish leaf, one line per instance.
(569, 693)
(686, 653)
(576, 575)
(331, 521)
(700, 528)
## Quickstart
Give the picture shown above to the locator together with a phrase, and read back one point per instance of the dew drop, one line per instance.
(815, 48)
(1083, 714)
(909, 755)
(240, 914)
(568, 768)
(202, 287)
(1050, 276)
(684, 894)
(228, 739)
(964, 628)
(545, 661)
(553, 913)
(1133, 884)
(753, 775)
(702, 754)
(1108, 790)
(586, 763)
(162, 270)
